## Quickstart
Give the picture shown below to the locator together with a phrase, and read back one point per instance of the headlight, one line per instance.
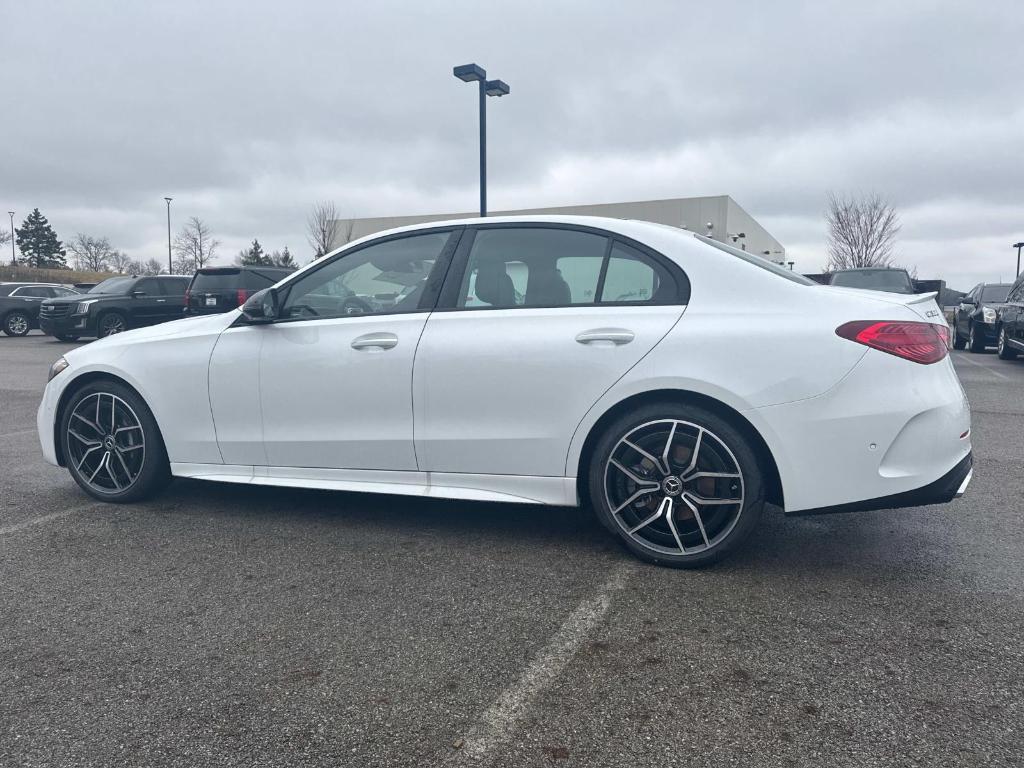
(56, 368)
(988, 315)
(83, 307)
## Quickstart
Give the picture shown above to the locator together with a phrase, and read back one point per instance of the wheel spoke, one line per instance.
(633, 476)
(93, 426)
(86, 455)
(696, 451)
(698, 475)
(654, 516)
(653, 459)
(119, 430)
(634, 497)
(102, 463)
(700, 521)
(112, 475)
(83, 440)
(113, 414)
(127, 472)
(672, 527)
(128, 448)
(708, 502)
(668, 448)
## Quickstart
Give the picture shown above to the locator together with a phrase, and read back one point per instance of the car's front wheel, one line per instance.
(678, 484)
(111, 443)
(1003, 349)
(976, 339)
(17, 323)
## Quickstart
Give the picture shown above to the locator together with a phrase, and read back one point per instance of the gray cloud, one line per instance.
(246, 113)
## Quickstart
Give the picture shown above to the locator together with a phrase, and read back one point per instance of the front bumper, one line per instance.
(70, 325)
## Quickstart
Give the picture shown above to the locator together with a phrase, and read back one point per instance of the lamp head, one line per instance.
(496, 88)
(469, 73)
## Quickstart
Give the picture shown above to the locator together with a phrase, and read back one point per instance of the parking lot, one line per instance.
(228, 625)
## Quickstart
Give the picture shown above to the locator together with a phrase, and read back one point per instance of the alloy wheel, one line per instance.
(106, 443)
(674, 487)
(17, 324)
(111, 324)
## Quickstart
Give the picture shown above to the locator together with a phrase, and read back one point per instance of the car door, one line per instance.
(963, 312)
(146, 302)
(172, 301)
(30, 298)
(1012, 316)
(335, 382)
(534, 324)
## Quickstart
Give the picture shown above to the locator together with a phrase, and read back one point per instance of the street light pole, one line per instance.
(170, 269)
(15, 261)
(469, 73)
(1018, 246)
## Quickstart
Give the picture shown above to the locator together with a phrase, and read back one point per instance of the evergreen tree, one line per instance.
(253, 256)
(38, 243)
(283, 259)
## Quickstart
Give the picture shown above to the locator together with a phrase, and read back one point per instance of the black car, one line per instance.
(115, 305)
(20, 302)
(218, 289)
(875, 279)
(1010, 339)
(976, 319)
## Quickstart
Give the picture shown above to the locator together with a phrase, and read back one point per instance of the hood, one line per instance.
(197, 325)
(84, 297)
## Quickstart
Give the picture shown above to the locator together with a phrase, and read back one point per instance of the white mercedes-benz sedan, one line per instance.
(672, 383)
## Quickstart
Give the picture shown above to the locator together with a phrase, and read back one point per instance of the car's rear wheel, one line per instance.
(1004, 350)
(976, 339)
(959, 342)
(17, 323)
(678, 484)
(110, 323)
(111, 444)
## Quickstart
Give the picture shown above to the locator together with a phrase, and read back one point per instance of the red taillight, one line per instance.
(243, 296)
(920, 342)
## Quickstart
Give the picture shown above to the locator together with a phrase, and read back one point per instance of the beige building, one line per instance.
(719, 217)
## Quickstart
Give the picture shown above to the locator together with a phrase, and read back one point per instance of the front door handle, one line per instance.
(372, 341)
(614, 335)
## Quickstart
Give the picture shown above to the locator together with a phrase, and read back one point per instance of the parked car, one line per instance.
(976, 319)
(875, 278)
(20, 302)
(218, 289)
(113, 306)
(1010, 339)
(543, 386)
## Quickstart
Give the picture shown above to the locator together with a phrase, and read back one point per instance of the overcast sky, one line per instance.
(246, 113)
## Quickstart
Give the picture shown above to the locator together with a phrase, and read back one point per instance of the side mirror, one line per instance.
(261, 307)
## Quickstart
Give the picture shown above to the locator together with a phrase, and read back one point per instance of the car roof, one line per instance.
(870, 269)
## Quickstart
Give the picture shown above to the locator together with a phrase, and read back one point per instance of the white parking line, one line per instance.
(32, 522)
(983, 367)
(495, 725)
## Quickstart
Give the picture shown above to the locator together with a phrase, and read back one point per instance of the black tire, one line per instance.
(110, 323)
(719, 541)
(153, 467)
(1003, 349)
(17, 323)
(65, 337)
(975, 341)
(959, 342)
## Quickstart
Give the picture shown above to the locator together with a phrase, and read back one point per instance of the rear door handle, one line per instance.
(373, 341)
(614, 335)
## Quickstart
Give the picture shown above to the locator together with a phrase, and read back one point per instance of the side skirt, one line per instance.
(557, 491)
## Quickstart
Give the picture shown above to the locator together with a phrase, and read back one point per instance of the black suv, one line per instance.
(115, 305)
(874, 278)
(19, 305)
(1010, 341)
(218, 289)
(976, 319)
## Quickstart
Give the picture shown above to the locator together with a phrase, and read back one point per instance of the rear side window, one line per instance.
(150, 287)
(34, 292)
(217, 280)
(175, 286)
(555, 267)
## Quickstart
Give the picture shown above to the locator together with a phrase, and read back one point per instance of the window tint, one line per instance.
(112, 285)
(523, 267)
(64, 292)
(258, 279)
(34, 292)
(215, 280)
(149, 286)
(174, 286)
(631, 276)
(892, 280)
(995, 293)
(379, 279)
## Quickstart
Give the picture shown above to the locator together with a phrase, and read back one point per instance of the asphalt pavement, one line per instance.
(233, 626)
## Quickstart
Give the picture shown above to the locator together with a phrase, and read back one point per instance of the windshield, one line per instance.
(995, 293)
(113, 285)
(892, 280)
(221, 280)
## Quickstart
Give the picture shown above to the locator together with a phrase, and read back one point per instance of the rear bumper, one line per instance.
(951, 485)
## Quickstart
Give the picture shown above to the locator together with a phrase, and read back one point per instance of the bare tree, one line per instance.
(861, 232)
(194, 246)
(119, 262)
(91, 254)
(324, 231)
(5, 237)
(152, 267)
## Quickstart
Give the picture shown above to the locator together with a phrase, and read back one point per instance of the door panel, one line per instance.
(336, 392)
(235, 395)
(502, 391)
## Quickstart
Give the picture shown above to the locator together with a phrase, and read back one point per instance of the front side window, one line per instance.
(385, 278)
(149, 287)
(33, 292)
